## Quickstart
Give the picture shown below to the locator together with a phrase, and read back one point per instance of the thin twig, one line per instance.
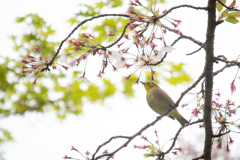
(220, 134)
(109, 155)
(165, 55)
(230, 8)
(223, 68)
(74, 29)
(178, 132)
(189, 88)
(120, 37)
(184, 36)
(196, 50)
(108, 141)
(226, 61)
(182, 6)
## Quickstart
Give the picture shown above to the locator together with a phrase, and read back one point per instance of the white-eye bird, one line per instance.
(161, 102)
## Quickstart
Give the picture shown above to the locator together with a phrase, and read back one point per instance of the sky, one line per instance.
(42, 136)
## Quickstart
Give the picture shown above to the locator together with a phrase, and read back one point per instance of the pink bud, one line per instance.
(233, 87)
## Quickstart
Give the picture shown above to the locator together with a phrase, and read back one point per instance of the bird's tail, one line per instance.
(182, 121)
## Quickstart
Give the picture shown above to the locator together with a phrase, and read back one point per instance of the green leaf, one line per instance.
(109, 89)
(128, 90)
(72, 21)
(146, 155)
(7, 135)
(224, 13)
(232, 20)
(235, 14)
(20, 19)
(100, 5)
(177, 74)
(116, 3)
(220, 6)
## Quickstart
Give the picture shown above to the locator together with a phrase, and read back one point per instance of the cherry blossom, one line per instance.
(63, 59)
(83, 78)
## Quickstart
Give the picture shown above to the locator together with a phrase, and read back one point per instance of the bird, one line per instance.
(160, 102)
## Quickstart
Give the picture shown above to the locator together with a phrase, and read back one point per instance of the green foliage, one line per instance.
(228, 15)
(128, 86)
(6, 136)
(177, 74)
(38, 34)
(94, 9)
(153, 152)
(19, 96)
(149, 76)
(232, 20)
(220, 6)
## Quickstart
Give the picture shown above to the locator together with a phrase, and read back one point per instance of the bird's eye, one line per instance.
(150, 83)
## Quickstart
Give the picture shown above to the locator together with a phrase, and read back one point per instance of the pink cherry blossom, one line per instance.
(233, 87)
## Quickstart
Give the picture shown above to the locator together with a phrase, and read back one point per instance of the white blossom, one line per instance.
(117, 59)
(63, 59)
(168, 49)
(83, 78)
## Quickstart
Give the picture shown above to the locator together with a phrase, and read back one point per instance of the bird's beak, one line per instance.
(142, 82)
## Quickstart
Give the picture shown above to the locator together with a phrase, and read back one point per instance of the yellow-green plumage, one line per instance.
(161, 102)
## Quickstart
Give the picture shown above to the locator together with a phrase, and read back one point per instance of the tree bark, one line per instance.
(209, 47)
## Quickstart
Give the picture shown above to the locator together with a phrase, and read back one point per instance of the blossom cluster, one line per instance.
(153, 149)
(141, 46)
(87, 154)
(222, 117)
(33, 66)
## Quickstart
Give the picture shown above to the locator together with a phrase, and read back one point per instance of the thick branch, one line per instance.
(209, 78)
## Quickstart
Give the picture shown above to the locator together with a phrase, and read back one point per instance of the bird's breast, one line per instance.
(158, 102)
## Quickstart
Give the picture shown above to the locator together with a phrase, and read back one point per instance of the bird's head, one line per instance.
(149, 85)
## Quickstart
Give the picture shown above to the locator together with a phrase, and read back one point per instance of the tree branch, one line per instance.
(184, 36)
(220, 134)
(120, 37)
(226, 61)
(189, 88)
(130, 138)
(230, 8)
(105, 143)
(182, 6)
(209, 47)
(74, 29)
(202, 46)
(178, 132)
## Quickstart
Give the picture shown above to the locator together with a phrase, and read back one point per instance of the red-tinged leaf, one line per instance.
(232, 20)
(224, 13)
(232, 4)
